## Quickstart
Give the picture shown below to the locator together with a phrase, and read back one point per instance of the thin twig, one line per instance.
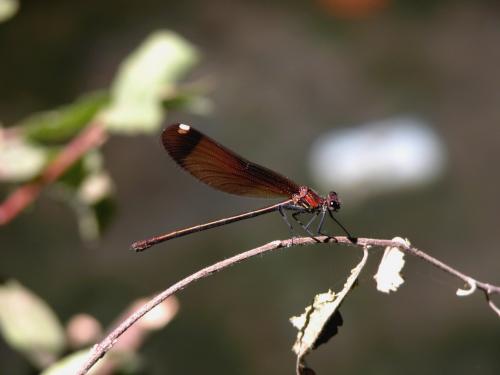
(100, 349)
(92, 136)
(488, 289)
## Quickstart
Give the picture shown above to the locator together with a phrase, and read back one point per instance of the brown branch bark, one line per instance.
(92, 136)
(100, 349)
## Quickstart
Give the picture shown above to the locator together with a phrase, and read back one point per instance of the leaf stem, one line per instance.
(90, 137)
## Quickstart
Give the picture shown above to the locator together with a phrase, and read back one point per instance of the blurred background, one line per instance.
(393, 104)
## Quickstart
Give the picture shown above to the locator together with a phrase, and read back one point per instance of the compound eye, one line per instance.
(333, 201)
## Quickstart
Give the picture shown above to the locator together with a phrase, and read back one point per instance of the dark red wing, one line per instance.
(220, 167)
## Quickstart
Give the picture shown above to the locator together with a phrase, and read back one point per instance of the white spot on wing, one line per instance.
(183, 129)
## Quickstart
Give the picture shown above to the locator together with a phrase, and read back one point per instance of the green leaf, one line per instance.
(190, 96)
(69, 364)
(113, 362)
(29, 325)
(142, 80)
(88, 189)
(20, 160)
(73, 362)
(195, 103)
(321, 320)
(61, 124)
(94, 205)
(8, 8)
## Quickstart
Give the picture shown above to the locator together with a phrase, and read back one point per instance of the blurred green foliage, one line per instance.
(143, 79)
(29, 325)
(63, 123)
(144, 89)
(8, 8)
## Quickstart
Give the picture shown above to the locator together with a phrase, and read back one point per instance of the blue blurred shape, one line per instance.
(378, 157)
